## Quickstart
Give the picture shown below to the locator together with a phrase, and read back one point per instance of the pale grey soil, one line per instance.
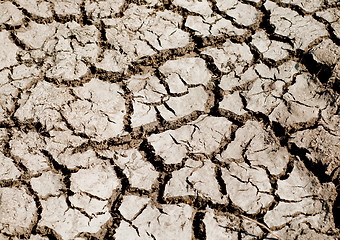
(173, 119)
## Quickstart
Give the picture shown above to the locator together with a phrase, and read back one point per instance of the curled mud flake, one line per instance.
(321, 148)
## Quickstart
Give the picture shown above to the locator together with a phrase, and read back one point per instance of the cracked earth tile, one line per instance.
(26, 147)
(260, 147)
(303, 30)
(216, 226)
(301, 184)
(102, 9)
(270, 49)
(214, 25)
(76, 160)
(264, 94)
(326, 52)
(198, 6)
(17, 211)
(146, 88)
(304, 100)
(247, 187)
(99, 110)
(233, 81)
(127, 231)
(231, 56)
(39, 8)
(70, 142)
(48, 183)
(301, 231)
(306, 210)
(194, 100)
(176, 83)
(141, 174)
(93, 207)
(309, 6)
(8, 170)
(69, 49)
(66, 65)
(321, 145)
(8, 51)
(13, 83)
(142, 30)
(35, 35)
(169, 222)
(67, 222)
(142, 114)
(232, 103)
(37, 237)
(188, 181)
(190, 70)
(99, 180)
(10, 14)
(243, 14)
(41, 104)
(332, 16)
(305, 201)
(132, 205)
(200, 137)
(67, 7)
(226, 226)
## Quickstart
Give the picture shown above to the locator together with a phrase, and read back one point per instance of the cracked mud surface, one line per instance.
(173, 119)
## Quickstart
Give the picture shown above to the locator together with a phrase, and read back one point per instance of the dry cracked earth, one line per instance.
(161, 120)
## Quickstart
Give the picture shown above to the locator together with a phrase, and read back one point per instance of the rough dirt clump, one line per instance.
(169, 119)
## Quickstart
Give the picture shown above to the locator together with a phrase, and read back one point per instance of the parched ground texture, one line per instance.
(169, 119)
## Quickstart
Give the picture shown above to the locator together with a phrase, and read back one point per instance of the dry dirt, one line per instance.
(169, 119)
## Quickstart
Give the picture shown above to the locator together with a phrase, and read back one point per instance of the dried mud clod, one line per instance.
(176, 119)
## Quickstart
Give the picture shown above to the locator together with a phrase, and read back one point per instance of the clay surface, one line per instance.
(169, 119)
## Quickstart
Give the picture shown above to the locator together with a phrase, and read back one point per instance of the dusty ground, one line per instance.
(183, 119)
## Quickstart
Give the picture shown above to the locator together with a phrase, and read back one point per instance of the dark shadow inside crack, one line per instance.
(336, 209)
(317, 168)
(199, 226)
(322, 71)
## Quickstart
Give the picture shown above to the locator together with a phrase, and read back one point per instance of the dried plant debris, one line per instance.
(169, 119)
